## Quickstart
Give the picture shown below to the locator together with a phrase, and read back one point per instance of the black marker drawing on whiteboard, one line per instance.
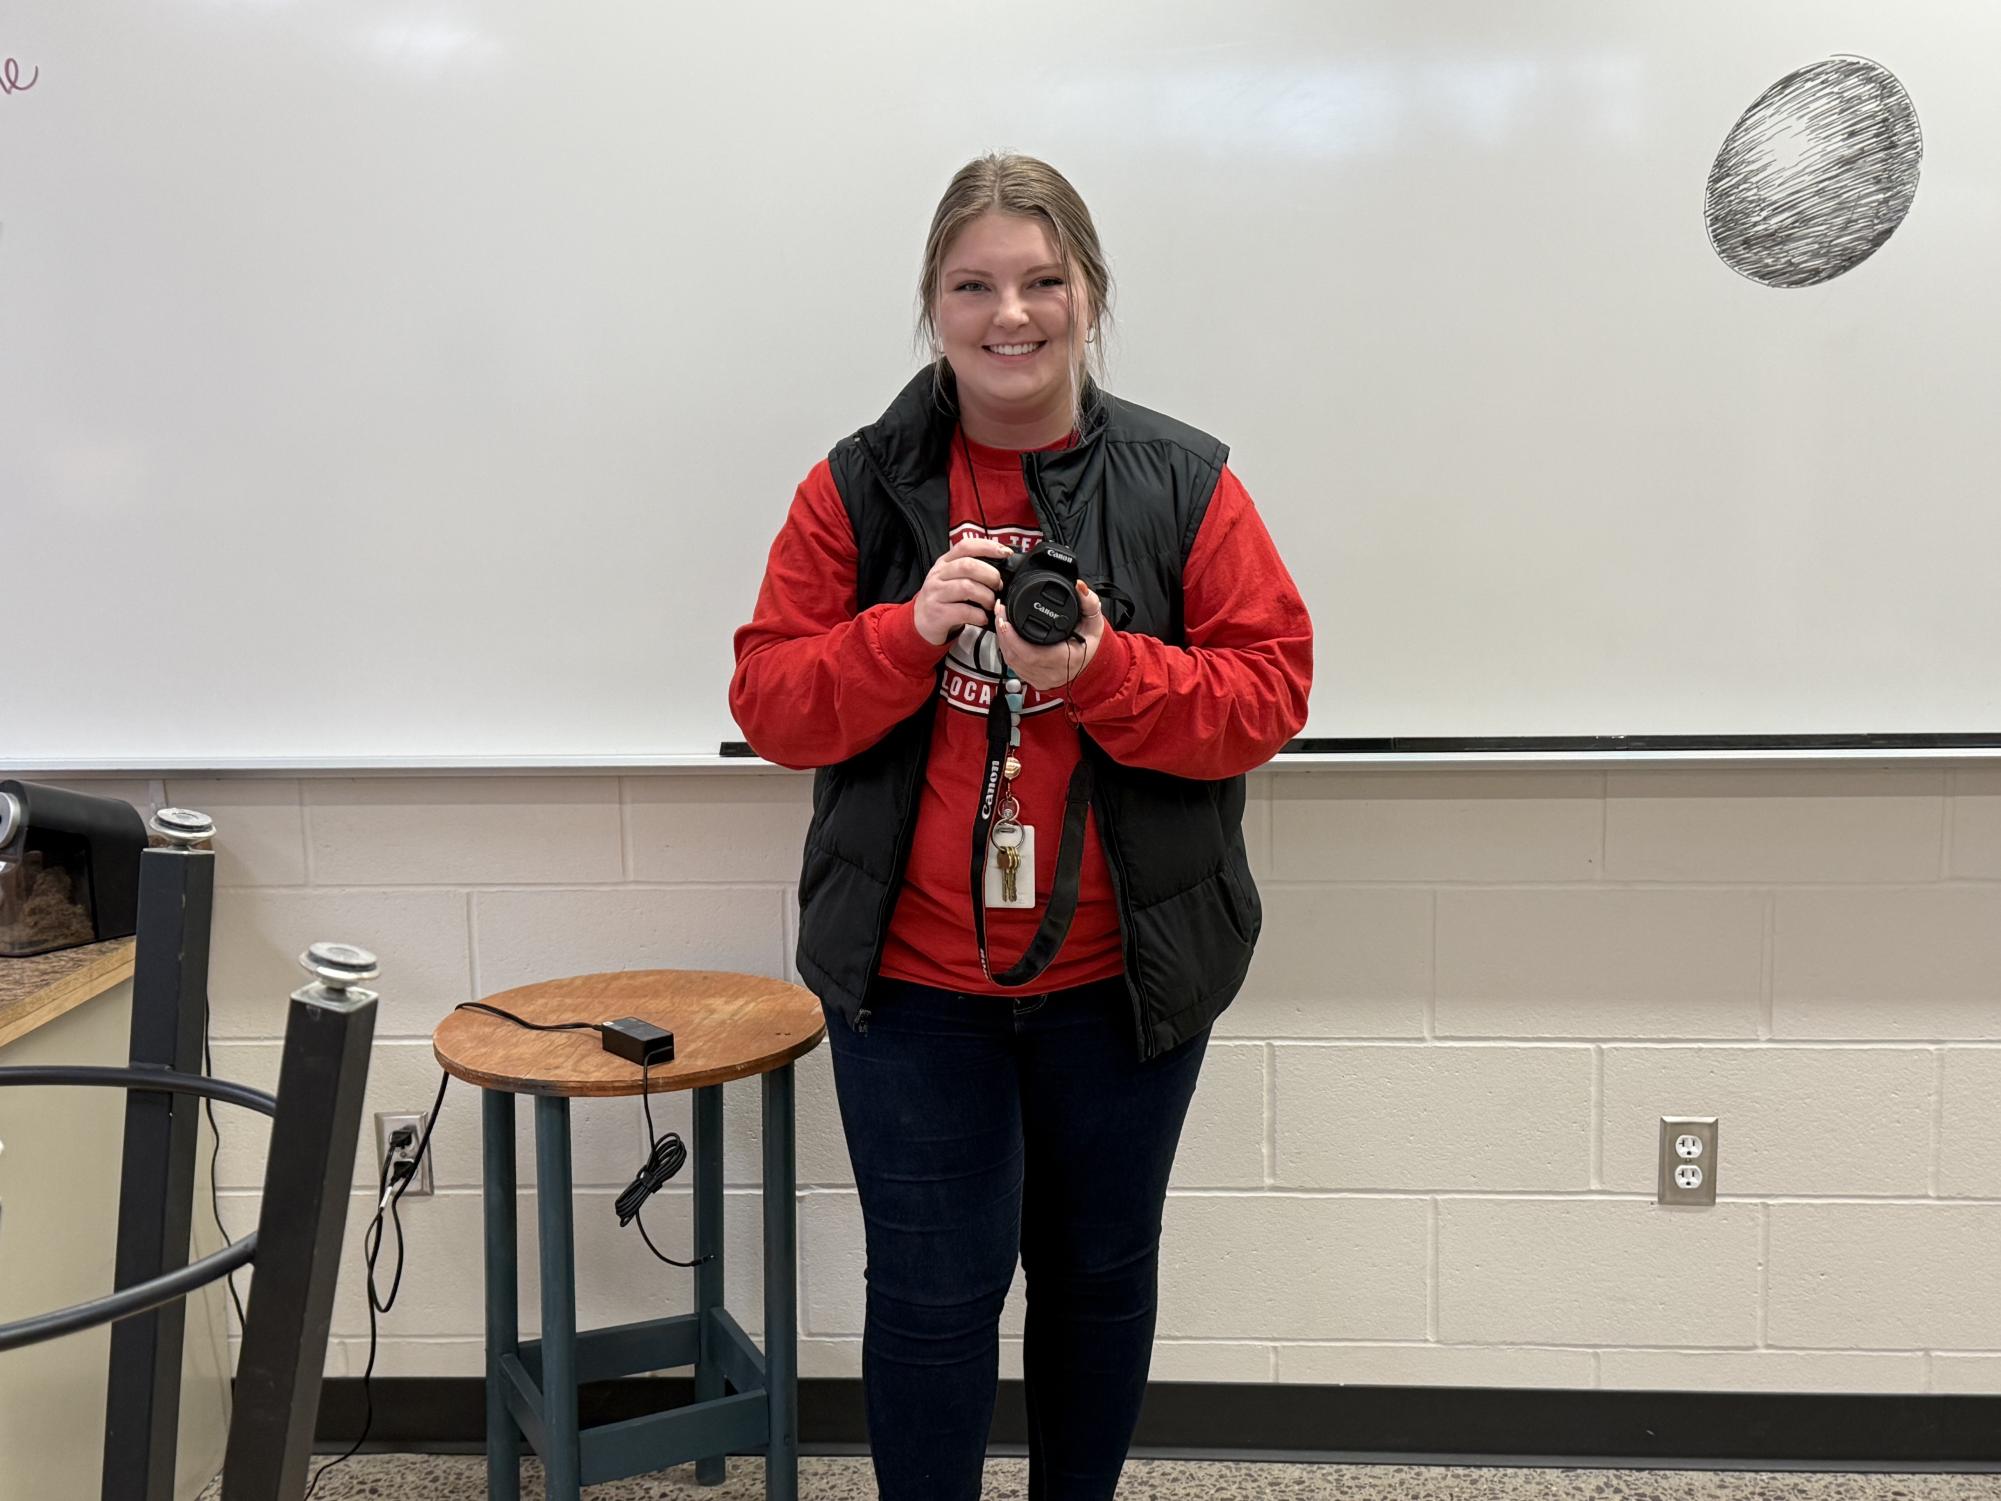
(10, 78)
(1816, 175)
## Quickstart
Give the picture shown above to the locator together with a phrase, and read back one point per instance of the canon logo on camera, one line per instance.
(1039, 588)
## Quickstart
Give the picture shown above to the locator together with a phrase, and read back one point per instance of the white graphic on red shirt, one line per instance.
(972, 666)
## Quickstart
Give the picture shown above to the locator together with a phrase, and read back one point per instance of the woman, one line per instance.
(1023, 1094)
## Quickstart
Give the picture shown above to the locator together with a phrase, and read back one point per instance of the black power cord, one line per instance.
(644, 1044)
(522, 1021)
(396, 1178)
(666, 1157)
(214, 1153)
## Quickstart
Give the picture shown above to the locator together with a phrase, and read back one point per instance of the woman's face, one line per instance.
(1004, 316)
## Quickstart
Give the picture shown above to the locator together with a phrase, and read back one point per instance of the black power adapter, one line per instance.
(638, 1041)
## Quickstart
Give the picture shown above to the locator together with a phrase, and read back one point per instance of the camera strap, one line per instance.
(1069, 855)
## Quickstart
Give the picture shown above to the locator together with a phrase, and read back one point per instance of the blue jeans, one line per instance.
(982, 1127)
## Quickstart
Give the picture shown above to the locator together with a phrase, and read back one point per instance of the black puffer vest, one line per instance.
(1127, 499)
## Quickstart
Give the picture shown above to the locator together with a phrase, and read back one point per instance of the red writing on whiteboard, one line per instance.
(11, 81)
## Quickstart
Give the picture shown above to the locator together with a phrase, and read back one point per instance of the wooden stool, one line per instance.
(725, 1026)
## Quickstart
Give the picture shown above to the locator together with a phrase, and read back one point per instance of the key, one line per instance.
(1006, 839)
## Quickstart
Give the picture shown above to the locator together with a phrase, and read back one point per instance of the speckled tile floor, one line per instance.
(456, 1477)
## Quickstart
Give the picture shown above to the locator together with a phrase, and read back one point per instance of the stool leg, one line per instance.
(781, 1303)
(560, 1458)
(503, 1332)
(709, 1243)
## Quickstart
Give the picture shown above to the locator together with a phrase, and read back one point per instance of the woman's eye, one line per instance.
(980, 286)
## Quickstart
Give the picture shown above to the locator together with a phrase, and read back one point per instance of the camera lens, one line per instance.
(1043, 607)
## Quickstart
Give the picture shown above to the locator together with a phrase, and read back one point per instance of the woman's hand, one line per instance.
(959, 589)
(1053, 668)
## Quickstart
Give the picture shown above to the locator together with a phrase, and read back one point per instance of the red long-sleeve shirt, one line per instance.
(817, 682)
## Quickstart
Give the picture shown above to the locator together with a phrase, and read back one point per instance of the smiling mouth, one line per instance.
(1015, 351)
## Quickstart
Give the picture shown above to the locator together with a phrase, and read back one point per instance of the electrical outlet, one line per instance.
(397, 1134)
(1688, 1160)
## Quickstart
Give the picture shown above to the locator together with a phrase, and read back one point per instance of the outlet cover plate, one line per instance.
(1688, 1160)
(386, 1124)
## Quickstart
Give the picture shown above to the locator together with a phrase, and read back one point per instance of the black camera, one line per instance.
(1039, 588)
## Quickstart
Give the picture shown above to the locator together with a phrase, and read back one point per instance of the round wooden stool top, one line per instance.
(725, 1026)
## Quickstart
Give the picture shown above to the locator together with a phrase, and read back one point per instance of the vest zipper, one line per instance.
(1038, 501)
(1129, 930)
(909, 835)
(884, 912)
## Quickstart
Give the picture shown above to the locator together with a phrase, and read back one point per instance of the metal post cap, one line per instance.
(339, 964)
(183, 826)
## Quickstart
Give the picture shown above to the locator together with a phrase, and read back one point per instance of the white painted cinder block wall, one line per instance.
(1423, 1146)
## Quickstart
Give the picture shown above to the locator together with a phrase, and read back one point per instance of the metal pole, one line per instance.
(307, 1180)
(561, 1455)
(709, 1252)
(781, 1301)
(503, 1329)
(142, 1404)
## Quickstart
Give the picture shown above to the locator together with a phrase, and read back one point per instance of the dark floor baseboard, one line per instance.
(1383, 1424)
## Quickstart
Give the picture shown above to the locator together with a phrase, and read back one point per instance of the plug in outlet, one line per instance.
(1688, 1160)
(397, 1134)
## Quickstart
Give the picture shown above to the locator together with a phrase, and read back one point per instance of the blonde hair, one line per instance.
(1008, 183)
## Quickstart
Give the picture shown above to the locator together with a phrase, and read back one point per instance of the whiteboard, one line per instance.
(427, 381)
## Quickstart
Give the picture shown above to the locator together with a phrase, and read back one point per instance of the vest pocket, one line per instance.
(813, 872)
(832, 891)
(1189, 938)
(1244, 903)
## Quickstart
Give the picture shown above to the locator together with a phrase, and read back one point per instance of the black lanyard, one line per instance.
(1062, 906)
(1069, 855)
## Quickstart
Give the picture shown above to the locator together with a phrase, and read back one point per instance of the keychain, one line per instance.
(1010, 879)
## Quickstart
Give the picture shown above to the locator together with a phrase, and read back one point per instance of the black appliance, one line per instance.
(69, 868)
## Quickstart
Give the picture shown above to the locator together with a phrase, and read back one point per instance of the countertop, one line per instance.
(37, 990)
